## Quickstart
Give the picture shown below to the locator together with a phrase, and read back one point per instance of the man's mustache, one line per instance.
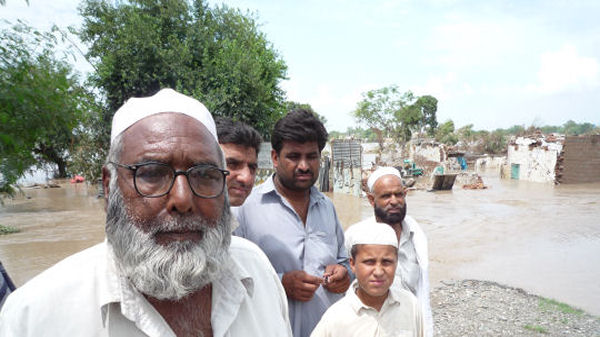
(307, 171)
(187, 223)
(238, 184)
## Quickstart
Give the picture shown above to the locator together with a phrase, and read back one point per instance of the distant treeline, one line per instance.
(481, 141)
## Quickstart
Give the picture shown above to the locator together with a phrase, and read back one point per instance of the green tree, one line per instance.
(466, 133)
(392, 113)
(216, 55)
(572, 128)
(41, 103)
(3, 2)
(517, 130)
(445, 133)
(495, 142)
(427, 106)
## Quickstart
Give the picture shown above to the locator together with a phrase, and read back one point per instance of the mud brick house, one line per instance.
(554, 159)
(580, 161)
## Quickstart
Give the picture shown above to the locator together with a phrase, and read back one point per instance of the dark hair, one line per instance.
(301, 126)
(236, 132)
(354, 251)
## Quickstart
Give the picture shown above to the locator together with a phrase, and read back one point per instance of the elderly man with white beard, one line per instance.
(169, 266)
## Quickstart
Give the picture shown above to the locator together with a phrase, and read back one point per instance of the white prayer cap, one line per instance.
(166, 100)
(380, 172)
(370, 232)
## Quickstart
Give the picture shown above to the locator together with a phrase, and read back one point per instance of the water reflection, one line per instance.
(542, 238)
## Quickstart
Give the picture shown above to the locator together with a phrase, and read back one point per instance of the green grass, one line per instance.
(550, 304)
(8, 229)
(536, 328)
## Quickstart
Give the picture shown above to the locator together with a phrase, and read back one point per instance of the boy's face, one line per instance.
(374, 267)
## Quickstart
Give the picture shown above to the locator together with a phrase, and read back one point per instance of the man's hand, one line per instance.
(299, 285)
(337, 279)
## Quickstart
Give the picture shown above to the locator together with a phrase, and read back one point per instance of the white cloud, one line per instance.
(440, 87)
(464, 43)
(566, 70)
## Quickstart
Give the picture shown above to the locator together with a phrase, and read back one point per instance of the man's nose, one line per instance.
(303, 164)
(245, 176)
(180, 198)
(378, 270)
(394, 200)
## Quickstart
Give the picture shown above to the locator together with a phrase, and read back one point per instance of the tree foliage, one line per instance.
(391, 113)
(445, 133)
(427, 106)
(41, 103)
(367, 135)
(216, 55)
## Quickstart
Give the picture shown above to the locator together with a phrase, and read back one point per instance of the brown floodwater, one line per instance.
(542, 238)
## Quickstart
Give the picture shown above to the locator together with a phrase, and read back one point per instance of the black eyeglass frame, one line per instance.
(176, 173)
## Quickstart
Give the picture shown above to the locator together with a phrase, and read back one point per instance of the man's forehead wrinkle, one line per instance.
(170, 134)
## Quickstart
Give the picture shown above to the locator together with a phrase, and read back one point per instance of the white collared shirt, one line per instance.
(418, 242)
(83, 295)
(399, 316)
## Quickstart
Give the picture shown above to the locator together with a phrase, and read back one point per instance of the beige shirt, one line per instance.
(407, 275)
(83, 295)
(399, 316)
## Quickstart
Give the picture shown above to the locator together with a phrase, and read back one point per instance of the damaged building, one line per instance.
(533, 158)
(553, 159)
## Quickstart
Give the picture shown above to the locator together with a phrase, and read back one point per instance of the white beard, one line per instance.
(172, 271)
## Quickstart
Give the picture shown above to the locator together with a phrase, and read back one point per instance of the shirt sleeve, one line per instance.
(239, 216)
(321, 330)
(13, 318)
(419, 323)
(342, 255)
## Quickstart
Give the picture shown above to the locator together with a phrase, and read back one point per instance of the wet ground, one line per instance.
(542, 238)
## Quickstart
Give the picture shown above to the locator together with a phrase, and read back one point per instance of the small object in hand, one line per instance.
(326, 279)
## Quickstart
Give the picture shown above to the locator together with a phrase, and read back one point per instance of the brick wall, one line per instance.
(581, 163)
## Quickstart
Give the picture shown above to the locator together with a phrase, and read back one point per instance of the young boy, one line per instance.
(371, 308)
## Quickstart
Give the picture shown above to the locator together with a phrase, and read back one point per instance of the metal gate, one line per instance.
(347, 166)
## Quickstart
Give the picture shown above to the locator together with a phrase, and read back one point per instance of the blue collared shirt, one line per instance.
(268, 219)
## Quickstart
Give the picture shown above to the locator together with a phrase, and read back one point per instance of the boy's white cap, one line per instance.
(370, 232)
(166, 100)
(380, 172)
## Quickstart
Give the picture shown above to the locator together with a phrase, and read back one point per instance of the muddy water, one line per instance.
(54, 223)
(539, 237)
(542, 238)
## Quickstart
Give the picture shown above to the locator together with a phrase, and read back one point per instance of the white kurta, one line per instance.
(399, 316)
(421, 286)
(84, 296)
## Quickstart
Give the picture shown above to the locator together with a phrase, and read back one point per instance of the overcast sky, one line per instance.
(490, 63)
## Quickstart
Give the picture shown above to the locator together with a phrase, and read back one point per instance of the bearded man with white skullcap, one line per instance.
(387, 195)
(168, 266)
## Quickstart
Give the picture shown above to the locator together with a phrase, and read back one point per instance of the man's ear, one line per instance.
(352, 266)
(371, 198)
(105, 185)
(274, 158)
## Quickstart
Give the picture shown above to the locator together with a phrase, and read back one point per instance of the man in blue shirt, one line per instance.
(296, 225)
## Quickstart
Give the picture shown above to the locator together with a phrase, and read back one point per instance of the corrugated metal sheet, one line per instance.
(346, 153)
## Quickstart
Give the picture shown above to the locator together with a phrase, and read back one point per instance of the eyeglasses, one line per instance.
(153, 180)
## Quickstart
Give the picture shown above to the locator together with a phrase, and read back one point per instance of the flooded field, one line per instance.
(539, 237)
